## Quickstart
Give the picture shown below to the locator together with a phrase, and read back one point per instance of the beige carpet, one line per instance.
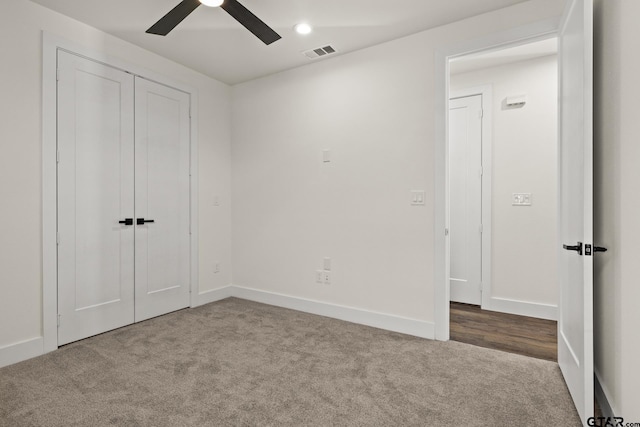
(236, 362)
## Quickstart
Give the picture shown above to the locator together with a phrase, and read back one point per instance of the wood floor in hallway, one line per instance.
(501, 331)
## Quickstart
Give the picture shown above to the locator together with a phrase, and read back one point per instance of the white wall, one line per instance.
(617, 213)
(374, 109)
(524, 160)
(21, 26)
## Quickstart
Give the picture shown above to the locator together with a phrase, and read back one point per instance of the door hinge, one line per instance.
(446, 231)
(59, 316)
(481, 171)
(57, 74)
(481, 113)
(57, 238)
(481, 228)
(58, 156)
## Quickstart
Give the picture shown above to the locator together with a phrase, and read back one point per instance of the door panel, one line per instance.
(162, 195)
(95, 191)
(575, 325)
(465, 186)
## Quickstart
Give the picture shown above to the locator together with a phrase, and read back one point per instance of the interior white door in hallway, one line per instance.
(465, 193)
(113, 271)
(575, 323)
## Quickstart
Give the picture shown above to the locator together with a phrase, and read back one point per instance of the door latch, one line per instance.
(587, 249)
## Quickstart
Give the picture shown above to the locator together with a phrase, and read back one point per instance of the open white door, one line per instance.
(575, 325)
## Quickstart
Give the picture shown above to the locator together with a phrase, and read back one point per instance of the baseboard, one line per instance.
(388, 322)
(602, 396)
(214, 295)
(523, 308)
(34, 347)
(21, 351)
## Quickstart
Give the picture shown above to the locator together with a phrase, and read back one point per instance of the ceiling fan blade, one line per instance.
(169, 21)
(250, 21)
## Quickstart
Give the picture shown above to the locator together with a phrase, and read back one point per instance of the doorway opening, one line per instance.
(503, 196)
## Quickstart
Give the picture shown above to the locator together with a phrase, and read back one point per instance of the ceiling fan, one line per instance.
(232, 7)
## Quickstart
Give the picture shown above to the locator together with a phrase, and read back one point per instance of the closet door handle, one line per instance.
(127, 221)
(577, 248)
(141, 221)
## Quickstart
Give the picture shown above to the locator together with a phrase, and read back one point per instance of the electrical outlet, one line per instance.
(326, 277)
(319, 276)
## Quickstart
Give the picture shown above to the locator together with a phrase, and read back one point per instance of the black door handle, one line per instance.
(141, 221)
(577, 248)
(127, 221)
(599, 249)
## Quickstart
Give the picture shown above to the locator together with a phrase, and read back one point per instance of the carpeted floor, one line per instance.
(236, 362)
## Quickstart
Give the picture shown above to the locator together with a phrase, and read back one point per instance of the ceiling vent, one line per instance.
(319, 52)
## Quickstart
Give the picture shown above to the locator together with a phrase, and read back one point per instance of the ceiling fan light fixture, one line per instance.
(251, 22)
(303, 28)
(212, 3)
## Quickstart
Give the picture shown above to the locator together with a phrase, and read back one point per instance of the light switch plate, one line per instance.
(521, 199)
(417, 197)
(326, 156)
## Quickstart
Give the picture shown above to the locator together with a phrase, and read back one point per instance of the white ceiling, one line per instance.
(504, 56)
(213, 43)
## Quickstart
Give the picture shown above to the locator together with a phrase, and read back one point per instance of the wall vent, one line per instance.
(319, 52)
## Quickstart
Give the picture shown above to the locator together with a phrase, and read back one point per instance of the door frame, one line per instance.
(50, 46)
(486, 92)
(537, 31)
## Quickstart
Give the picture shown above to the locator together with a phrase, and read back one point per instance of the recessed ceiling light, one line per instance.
(212, 3)
(303, 28)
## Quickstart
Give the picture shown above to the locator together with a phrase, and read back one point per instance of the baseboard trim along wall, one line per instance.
(18, 352)
(21, 351)
(523, 308)
(214, 295)
(602, 397)
(388, 322)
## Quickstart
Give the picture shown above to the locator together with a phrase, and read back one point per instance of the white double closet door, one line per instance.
(123, 198)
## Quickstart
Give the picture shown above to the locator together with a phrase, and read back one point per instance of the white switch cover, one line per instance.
(326, 156)
(327, 264)
(417, 198)
(521, 199)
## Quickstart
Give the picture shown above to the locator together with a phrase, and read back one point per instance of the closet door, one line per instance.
(162, 210)
(95, 193)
